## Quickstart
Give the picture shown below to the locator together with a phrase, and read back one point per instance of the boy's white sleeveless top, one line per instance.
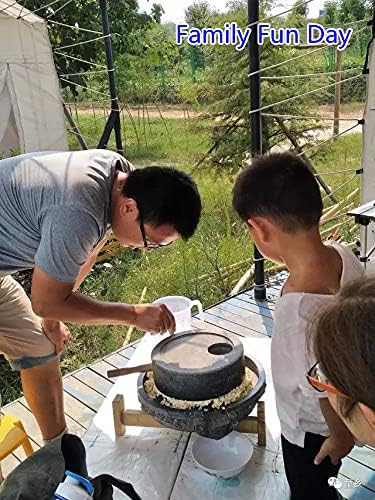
(297, 402)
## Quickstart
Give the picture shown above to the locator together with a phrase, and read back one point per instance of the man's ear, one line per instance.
(368, 413)
(129, 206)
(261, 228)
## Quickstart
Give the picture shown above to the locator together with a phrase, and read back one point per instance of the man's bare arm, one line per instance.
(54, 300)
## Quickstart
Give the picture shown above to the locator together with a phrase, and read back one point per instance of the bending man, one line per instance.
(56, 211)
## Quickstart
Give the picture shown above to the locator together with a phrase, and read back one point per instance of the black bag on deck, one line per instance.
(38, 477)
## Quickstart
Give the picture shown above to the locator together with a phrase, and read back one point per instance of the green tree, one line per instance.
(356, 10)
(125, 23)
(353, 10)
(331, 9)
(227, 89)
(144, 75)
(300, 8)
(198, 15)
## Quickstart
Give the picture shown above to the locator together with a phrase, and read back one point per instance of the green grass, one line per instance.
(195, 268)
(145, 140)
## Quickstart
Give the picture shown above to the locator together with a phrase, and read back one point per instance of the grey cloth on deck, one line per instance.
(54, 209)
(36, 477)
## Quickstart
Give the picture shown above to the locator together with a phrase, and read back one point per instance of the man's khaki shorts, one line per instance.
(22, 339)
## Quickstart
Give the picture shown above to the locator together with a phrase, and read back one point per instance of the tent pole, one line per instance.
(255, 126)
(115, 108)
(74, 129)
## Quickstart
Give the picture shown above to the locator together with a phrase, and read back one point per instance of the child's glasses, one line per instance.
(319, 381)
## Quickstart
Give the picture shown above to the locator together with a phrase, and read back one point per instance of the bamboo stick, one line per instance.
(345, 209)
(339, 224)
(110, 246)
(235, 266)
(108, 255)
(243, 280)
(333, 228)
(333, 211)
(131, 328)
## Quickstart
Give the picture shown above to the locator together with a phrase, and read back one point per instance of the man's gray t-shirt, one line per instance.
(54, 209)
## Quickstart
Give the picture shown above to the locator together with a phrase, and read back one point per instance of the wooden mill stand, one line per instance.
(139, 418)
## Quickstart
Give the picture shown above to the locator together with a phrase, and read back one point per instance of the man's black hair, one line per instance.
(282, 188)
(165, 195)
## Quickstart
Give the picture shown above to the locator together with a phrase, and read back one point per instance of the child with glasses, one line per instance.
(279, 200)
(344, 345)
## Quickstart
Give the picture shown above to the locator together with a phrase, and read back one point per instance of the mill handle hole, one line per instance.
(220, 349)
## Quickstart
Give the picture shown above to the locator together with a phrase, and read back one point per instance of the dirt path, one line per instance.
(352, 111)
(151, 110)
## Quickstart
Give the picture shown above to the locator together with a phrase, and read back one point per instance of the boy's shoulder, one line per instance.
(298, 305)
(352, 268)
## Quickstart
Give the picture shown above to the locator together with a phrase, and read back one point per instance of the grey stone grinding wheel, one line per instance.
(214, 424)
(198, 365)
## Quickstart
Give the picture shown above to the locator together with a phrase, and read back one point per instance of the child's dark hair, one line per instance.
(343, 339)
(282, 188)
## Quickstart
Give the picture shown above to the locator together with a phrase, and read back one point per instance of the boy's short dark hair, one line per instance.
(165, 195)
(282, 188)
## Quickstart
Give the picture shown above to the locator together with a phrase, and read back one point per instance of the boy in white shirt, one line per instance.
(279, 199)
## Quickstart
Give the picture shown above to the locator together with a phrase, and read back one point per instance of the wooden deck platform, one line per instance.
(85, 389)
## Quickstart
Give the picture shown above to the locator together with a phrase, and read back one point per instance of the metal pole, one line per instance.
(255, 127)
(111, 75)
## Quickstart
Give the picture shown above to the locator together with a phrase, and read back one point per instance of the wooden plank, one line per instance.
(30, 426)
(264, 305)
(73, 426)
(100, 384)
(202, 325)
(77, 410)
(272, 294)
(364, 455)
(17, 409)
(264, 323)
(350, 493)
(230, 326)
(249, 305)
(358, 472)
(117, 360)
(101, 368)
(230, 322)
(9, 464)
(128, 351)
(83, 393)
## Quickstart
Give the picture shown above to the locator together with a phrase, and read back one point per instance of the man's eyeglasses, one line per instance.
(146, 243)
(319, 381)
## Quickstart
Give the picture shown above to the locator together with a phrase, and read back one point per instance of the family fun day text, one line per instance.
(231, 34)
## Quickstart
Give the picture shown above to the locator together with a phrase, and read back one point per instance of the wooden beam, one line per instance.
(299, 149)
(118, 407)
(336, 113)
(139, 418)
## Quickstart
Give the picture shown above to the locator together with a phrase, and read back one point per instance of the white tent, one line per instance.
(31, 112)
